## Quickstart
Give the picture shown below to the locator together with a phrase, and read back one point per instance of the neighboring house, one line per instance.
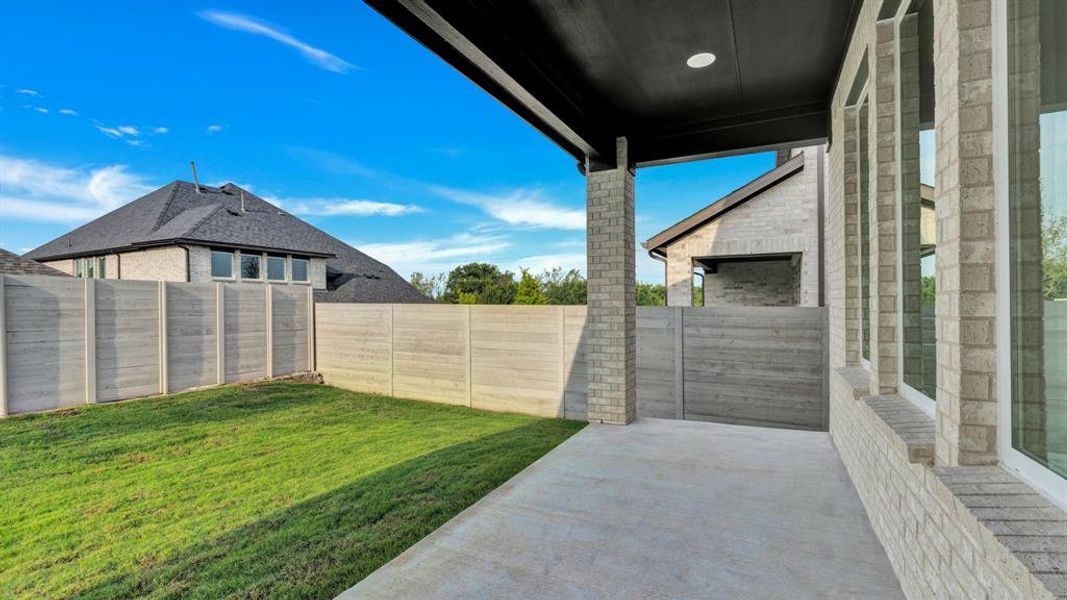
(757, 246)
(185, 232)
(13, 264)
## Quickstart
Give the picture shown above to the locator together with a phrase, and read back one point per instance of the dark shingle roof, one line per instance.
(176, 213)
(13, 264)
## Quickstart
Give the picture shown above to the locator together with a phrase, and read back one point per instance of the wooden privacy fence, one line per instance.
(70, 341)
(761, 366)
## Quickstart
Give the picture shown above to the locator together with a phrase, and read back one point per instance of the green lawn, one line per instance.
(277, 490)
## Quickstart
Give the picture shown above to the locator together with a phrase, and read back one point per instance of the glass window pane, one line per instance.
(221, 264)
(918, 249)
(300, 269)
(276, 268)
(250, 266)
(864, 234)
(77, 267)
(89, 262)
(1037, 143)
(101, 268)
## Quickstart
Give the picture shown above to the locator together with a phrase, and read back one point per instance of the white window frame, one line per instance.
(233, 264)
(1038, 476)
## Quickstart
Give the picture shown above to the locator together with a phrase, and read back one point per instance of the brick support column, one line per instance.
(612, 320)
(848, 231)
(883, 203)
(966, 298)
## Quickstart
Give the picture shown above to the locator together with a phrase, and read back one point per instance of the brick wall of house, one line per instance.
(767, 283)
(782, 220)
(166, 263)
(954, 524)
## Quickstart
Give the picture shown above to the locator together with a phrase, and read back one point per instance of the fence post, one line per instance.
(469, 382)
(560, 320)
(679, 362)
(311, 329)
(89, 295)
(269, 308)
(392, 328)
(220, 333)
(164, 385)
(3, 352)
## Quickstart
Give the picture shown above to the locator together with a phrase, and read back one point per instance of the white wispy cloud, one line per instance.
(330, 207)
(38, 191)
(528, 207)
(127, 133)
(28, 92)
(247, 24)
(68, 111)
(540, 263)
(41, 109)
(160, 130)
(213, 129)
(437, 255)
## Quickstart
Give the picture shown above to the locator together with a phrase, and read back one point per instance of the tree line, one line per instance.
(484, 283)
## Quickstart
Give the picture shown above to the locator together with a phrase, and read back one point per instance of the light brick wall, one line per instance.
(612, 320)
(154, 264)
(954, 529)
(883, 209)
(966, 298)
(781, 220)
(768, 283)
(66, 265)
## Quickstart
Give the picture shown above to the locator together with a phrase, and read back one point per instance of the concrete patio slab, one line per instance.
(657, 509)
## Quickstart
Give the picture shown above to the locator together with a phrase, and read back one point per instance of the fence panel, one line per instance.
(127, 339)
(517, 359)
(353, 346)
(45, 342)
(192, 343)
(144, 337)
(656, 385)
(289, 311)
(431, 352)
(754, 365)
(246, 331)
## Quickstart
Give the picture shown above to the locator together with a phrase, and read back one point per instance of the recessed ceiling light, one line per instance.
(700, 60)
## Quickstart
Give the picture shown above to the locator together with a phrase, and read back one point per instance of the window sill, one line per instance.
(1008, 512)
(912, 428)
(908, 427)
(857, 378)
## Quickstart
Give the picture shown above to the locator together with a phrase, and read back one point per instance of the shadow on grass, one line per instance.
(319, 548)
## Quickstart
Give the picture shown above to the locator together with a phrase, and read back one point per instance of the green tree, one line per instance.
(431, 286)
(562, 288)
(698, 294)
(1054, 256)
(529, 290)
(929, 290)
(651, 294)
(483, 282)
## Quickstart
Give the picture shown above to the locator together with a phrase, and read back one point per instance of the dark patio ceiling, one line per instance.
(584, 72)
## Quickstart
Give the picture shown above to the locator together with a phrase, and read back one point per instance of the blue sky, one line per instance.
(326, 108)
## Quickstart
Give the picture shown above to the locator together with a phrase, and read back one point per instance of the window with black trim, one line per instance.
(222, 264)
(300, 269)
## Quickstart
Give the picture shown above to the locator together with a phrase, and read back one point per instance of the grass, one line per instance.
(278, 490)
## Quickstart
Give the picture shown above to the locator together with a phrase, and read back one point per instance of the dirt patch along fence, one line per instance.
(68, 341)
(758, 366)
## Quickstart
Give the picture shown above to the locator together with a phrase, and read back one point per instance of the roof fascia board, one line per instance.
(528, 105)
